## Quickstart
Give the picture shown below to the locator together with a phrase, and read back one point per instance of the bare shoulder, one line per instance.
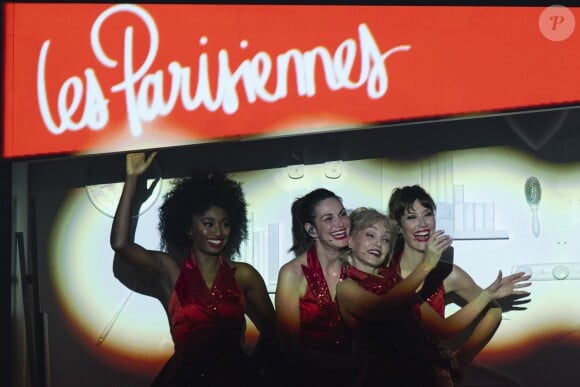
(243, 267)
(245, 273)
(291, 280)
(293, 267)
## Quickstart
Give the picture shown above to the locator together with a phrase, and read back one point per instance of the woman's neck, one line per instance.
(410, 258)
(205, 261)
(329, 260)
(327, 255)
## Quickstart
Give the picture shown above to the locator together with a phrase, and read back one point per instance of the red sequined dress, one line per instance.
(207, 327)
(321, 328)
(399, 351)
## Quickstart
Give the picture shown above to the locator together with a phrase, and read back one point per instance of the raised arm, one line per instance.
(121, 238)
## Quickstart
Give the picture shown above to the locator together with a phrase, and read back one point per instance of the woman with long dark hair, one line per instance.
(315, 340)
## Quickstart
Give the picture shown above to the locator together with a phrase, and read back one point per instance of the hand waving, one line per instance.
(137, 163)
(508, 286)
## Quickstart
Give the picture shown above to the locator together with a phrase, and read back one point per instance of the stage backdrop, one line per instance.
(101, 333)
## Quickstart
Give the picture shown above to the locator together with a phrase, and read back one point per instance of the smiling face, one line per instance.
(370, 247)
(331, 223)
(210, 231)
(416, 225)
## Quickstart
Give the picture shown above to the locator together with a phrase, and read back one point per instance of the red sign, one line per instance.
(91, 78)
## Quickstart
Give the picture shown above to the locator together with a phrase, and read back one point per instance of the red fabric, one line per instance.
(437, 299)
(398, 351)
(207, 326)
(388, 277)
(321, 325)
(197, 313)
(386, 280)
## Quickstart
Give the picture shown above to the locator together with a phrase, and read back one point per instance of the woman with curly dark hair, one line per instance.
(206, 295)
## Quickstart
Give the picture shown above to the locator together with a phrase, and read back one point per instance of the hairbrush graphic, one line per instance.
(533, 191)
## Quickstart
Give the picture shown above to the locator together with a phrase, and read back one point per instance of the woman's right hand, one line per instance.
(435, 246)
(137, 163)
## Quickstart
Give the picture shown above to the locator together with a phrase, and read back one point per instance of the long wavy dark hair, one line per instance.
(193, 195)
(303, 211)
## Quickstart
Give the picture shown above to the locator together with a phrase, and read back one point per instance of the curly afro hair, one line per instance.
(193, 195)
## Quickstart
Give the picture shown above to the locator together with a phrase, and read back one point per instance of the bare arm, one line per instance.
(479, 300)
(355, 301)
(459, 321)
(287, 310)
(461, 283)
(259, 307)
(121, 234)
(132, 277)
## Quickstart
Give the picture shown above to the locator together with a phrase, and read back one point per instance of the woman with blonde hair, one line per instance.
(395, 333)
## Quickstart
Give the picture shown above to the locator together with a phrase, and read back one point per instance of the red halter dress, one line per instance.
(207, 327)
(321, 329)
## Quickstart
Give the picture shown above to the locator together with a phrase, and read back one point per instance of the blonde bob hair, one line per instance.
(364, 217)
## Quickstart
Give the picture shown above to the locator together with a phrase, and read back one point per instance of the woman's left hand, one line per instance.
(509, 286)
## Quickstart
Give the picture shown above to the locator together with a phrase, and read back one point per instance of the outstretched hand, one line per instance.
(509, 286)
(137, 163)
(435, 246)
